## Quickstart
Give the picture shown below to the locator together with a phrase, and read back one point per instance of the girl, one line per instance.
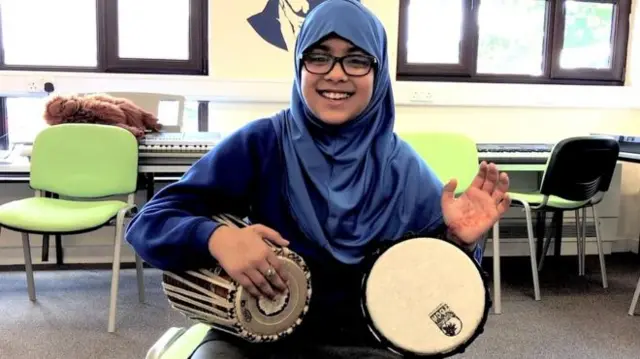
(327, 177)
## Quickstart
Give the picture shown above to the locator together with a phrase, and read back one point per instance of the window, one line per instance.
(517, 41)
(125, 36)
(21, 118)
(25, 118)
(169, 111)
(4, 137)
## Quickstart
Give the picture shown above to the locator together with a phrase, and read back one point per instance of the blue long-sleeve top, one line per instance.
(242, 176)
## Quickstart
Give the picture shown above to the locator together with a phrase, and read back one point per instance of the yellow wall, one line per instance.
(483, 123)
(258, 78)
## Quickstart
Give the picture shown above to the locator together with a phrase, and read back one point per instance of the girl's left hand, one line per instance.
(474, 212)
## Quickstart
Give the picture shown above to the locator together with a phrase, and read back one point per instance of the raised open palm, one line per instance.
(474, 212)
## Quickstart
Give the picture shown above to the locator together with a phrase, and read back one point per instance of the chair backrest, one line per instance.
(85, 161)
(152, 103)
(580, 167)
(449, 155)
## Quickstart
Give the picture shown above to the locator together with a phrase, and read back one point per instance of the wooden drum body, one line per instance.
(212, 297)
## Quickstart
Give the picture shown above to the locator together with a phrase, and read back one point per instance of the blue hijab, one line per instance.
(358, 184)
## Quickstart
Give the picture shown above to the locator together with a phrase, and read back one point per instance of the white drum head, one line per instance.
(425, 296)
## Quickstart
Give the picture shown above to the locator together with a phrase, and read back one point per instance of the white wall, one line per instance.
(487, 112)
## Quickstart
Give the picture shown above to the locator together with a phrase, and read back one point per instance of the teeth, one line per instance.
(335, 95)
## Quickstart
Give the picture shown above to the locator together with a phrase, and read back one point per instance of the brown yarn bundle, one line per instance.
(100, 109)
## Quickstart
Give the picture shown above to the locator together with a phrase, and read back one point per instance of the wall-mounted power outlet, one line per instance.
(422, 96)
(36, 85)
(32, 86)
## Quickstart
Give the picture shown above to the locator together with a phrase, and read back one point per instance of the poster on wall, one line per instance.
(255, 39)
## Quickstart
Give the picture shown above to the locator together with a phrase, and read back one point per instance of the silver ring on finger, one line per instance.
(270, 273)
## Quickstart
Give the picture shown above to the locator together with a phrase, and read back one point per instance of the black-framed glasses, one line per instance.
(353, 65)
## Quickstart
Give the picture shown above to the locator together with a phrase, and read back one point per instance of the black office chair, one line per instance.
(578, 174)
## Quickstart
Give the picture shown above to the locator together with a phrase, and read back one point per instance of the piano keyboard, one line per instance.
(179, 142)
(515, 153)
(176, 147)
(187, 147)
(166, 148)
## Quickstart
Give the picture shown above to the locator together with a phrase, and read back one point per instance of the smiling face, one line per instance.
(336, 97)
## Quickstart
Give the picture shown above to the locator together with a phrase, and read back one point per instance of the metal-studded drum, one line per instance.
(425, 297)
(212, 297)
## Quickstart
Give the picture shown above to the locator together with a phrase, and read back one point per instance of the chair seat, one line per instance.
(49, 215)
(178, 343)
(552, 202)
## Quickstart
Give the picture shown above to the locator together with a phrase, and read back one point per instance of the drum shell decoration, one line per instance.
(212, 297)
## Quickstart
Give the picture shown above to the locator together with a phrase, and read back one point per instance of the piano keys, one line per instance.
(176, 148)
(515, 153)
(184, 148)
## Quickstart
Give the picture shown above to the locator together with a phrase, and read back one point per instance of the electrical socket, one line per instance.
(32, 86)
(421, 96)
(36, 85)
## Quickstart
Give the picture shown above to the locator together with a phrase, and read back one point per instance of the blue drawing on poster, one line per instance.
(280, 20)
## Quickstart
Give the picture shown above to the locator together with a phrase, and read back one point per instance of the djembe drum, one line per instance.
(211, 296)
(425, 297)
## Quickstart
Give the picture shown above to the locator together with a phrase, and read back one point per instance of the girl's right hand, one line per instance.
(248, 259)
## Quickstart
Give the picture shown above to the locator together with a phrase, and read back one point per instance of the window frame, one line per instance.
(108, 60)
(552, 44)
(4, 124)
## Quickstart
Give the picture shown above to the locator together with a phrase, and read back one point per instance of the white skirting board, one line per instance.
(520, 247)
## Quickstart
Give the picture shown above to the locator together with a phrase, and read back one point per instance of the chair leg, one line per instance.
(115, 273)
(140, 277)
(634, 301)
(532, 252)
(579, 240)
(583, 239)
(26, 248)
(547, 242)
(497, 295)
(603, 267)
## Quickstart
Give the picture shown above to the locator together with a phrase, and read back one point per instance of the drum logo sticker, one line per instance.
(446, 320)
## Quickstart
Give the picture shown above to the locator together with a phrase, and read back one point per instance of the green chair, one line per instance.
(84, 164)
(578, 174)
(449, 155)
(454, 155)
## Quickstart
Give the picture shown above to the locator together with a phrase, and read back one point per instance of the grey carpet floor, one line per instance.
(576, 318)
